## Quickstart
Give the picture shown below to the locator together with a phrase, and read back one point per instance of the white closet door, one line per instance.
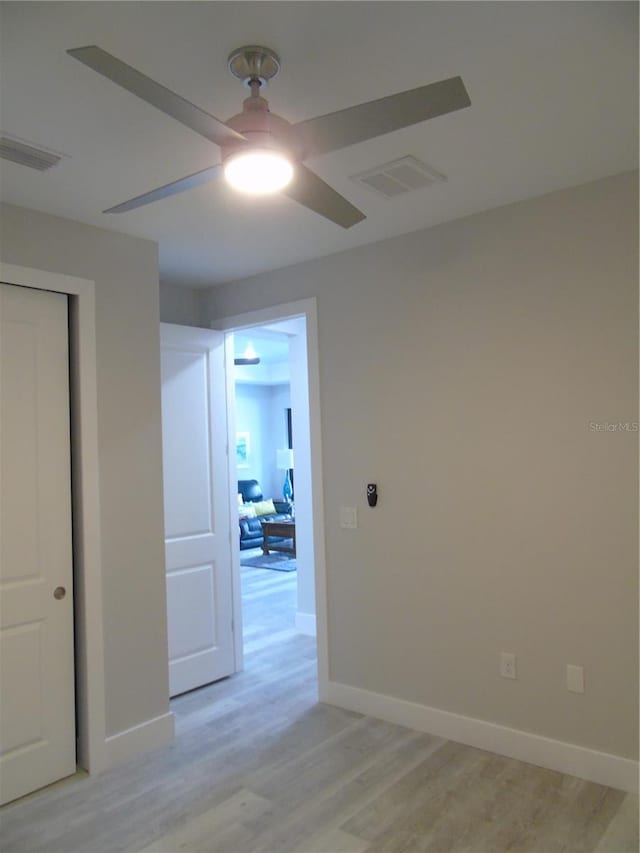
(37, 719)
(196, 507)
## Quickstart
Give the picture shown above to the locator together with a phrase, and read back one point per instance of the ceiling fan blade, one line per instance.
(312, 192)
(178, 186)
(374, 118)
(153, 93)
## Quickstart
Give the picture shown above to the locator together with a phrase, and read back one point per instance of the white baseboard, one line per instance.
(600, 767)
(141, 738)
(306, 623)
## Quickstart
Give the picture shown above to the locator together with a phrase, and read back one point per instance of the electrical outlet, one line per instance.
(575, 678)
(507, 665)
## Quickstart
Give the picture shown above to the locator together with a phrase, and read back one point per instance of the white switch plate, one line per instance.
(575, 678)
(507, 665)
(348, 517)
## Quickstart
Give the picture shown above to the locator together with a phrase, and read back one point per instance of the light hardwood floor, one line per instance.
(259, 765)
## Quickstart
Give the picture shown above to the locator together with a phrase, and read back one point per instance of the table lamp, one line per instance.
(284, 462)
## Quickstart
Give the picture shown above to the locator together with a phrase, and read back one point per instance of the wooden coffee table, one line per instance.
(283, 529)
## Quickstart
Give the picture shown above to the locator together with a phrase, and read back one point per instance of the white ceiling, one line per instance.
(553, 87)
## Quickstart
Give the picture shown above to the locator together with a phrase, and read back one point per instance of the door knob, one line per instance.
(59, 592)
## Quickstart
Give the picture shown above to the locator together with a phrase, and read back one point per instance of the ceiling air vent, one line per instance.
(398, 177)
(27, 155)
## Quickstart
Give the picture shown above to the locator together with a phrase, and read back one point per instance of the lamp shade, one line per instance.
(284, 459)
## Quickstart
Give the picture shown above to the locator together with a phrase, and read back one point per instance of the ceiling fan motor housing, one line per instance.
(261, 129)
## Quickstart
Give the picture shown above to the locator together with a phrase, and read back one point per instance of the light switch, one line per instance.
(348, 517)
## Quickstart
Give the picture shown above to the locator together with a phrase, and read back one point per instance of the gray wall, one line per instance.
(260, 410)
(179, 305)
(460, 369)
(125, 272)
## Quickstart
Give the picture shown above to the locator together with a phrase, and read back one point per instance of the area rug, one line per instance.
(277, 562)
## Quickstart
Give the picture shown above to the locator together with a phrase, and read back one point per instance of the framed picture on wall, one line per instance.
(243, 448)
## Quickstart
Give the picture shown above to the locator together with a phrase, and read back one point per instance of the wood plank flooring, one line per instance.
(259, 765)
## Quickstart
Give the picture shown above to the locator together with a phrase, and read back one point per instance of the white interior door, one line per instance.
(37, 718)
(196, 507)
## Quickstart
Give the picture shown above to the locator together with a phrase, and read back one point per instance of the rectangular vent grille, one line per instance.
(27, 155)
(398, 177)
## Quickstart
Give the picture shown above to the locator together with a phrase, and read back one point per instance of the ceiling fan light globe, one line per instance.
(258, 172)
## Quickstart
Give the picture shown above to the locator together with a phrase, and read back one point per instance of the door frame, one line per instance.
(307, 309)
(87, 570)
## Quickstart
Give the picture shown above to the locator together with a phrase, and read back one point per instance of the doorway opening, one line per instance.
(270, 440)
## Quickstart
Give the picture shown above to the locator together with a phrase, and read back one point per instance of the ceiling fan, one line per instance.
(249, 356)
(262, 152)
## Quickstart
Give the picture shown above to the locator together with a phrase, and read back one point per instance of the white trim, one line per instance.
(600, 767)
(232, 469)
(86, 489)
(151, 734)
(306, 623)
(306, 308)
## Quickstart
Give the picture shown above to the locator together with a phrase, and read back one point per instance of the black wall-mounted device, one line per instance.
(372, 494)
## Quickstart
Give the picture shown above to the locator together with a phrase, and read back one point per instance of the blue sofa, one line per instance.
(251, 528)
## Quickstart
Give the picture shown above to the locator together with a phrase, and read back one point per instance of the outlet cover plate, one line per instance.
(507, 665)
